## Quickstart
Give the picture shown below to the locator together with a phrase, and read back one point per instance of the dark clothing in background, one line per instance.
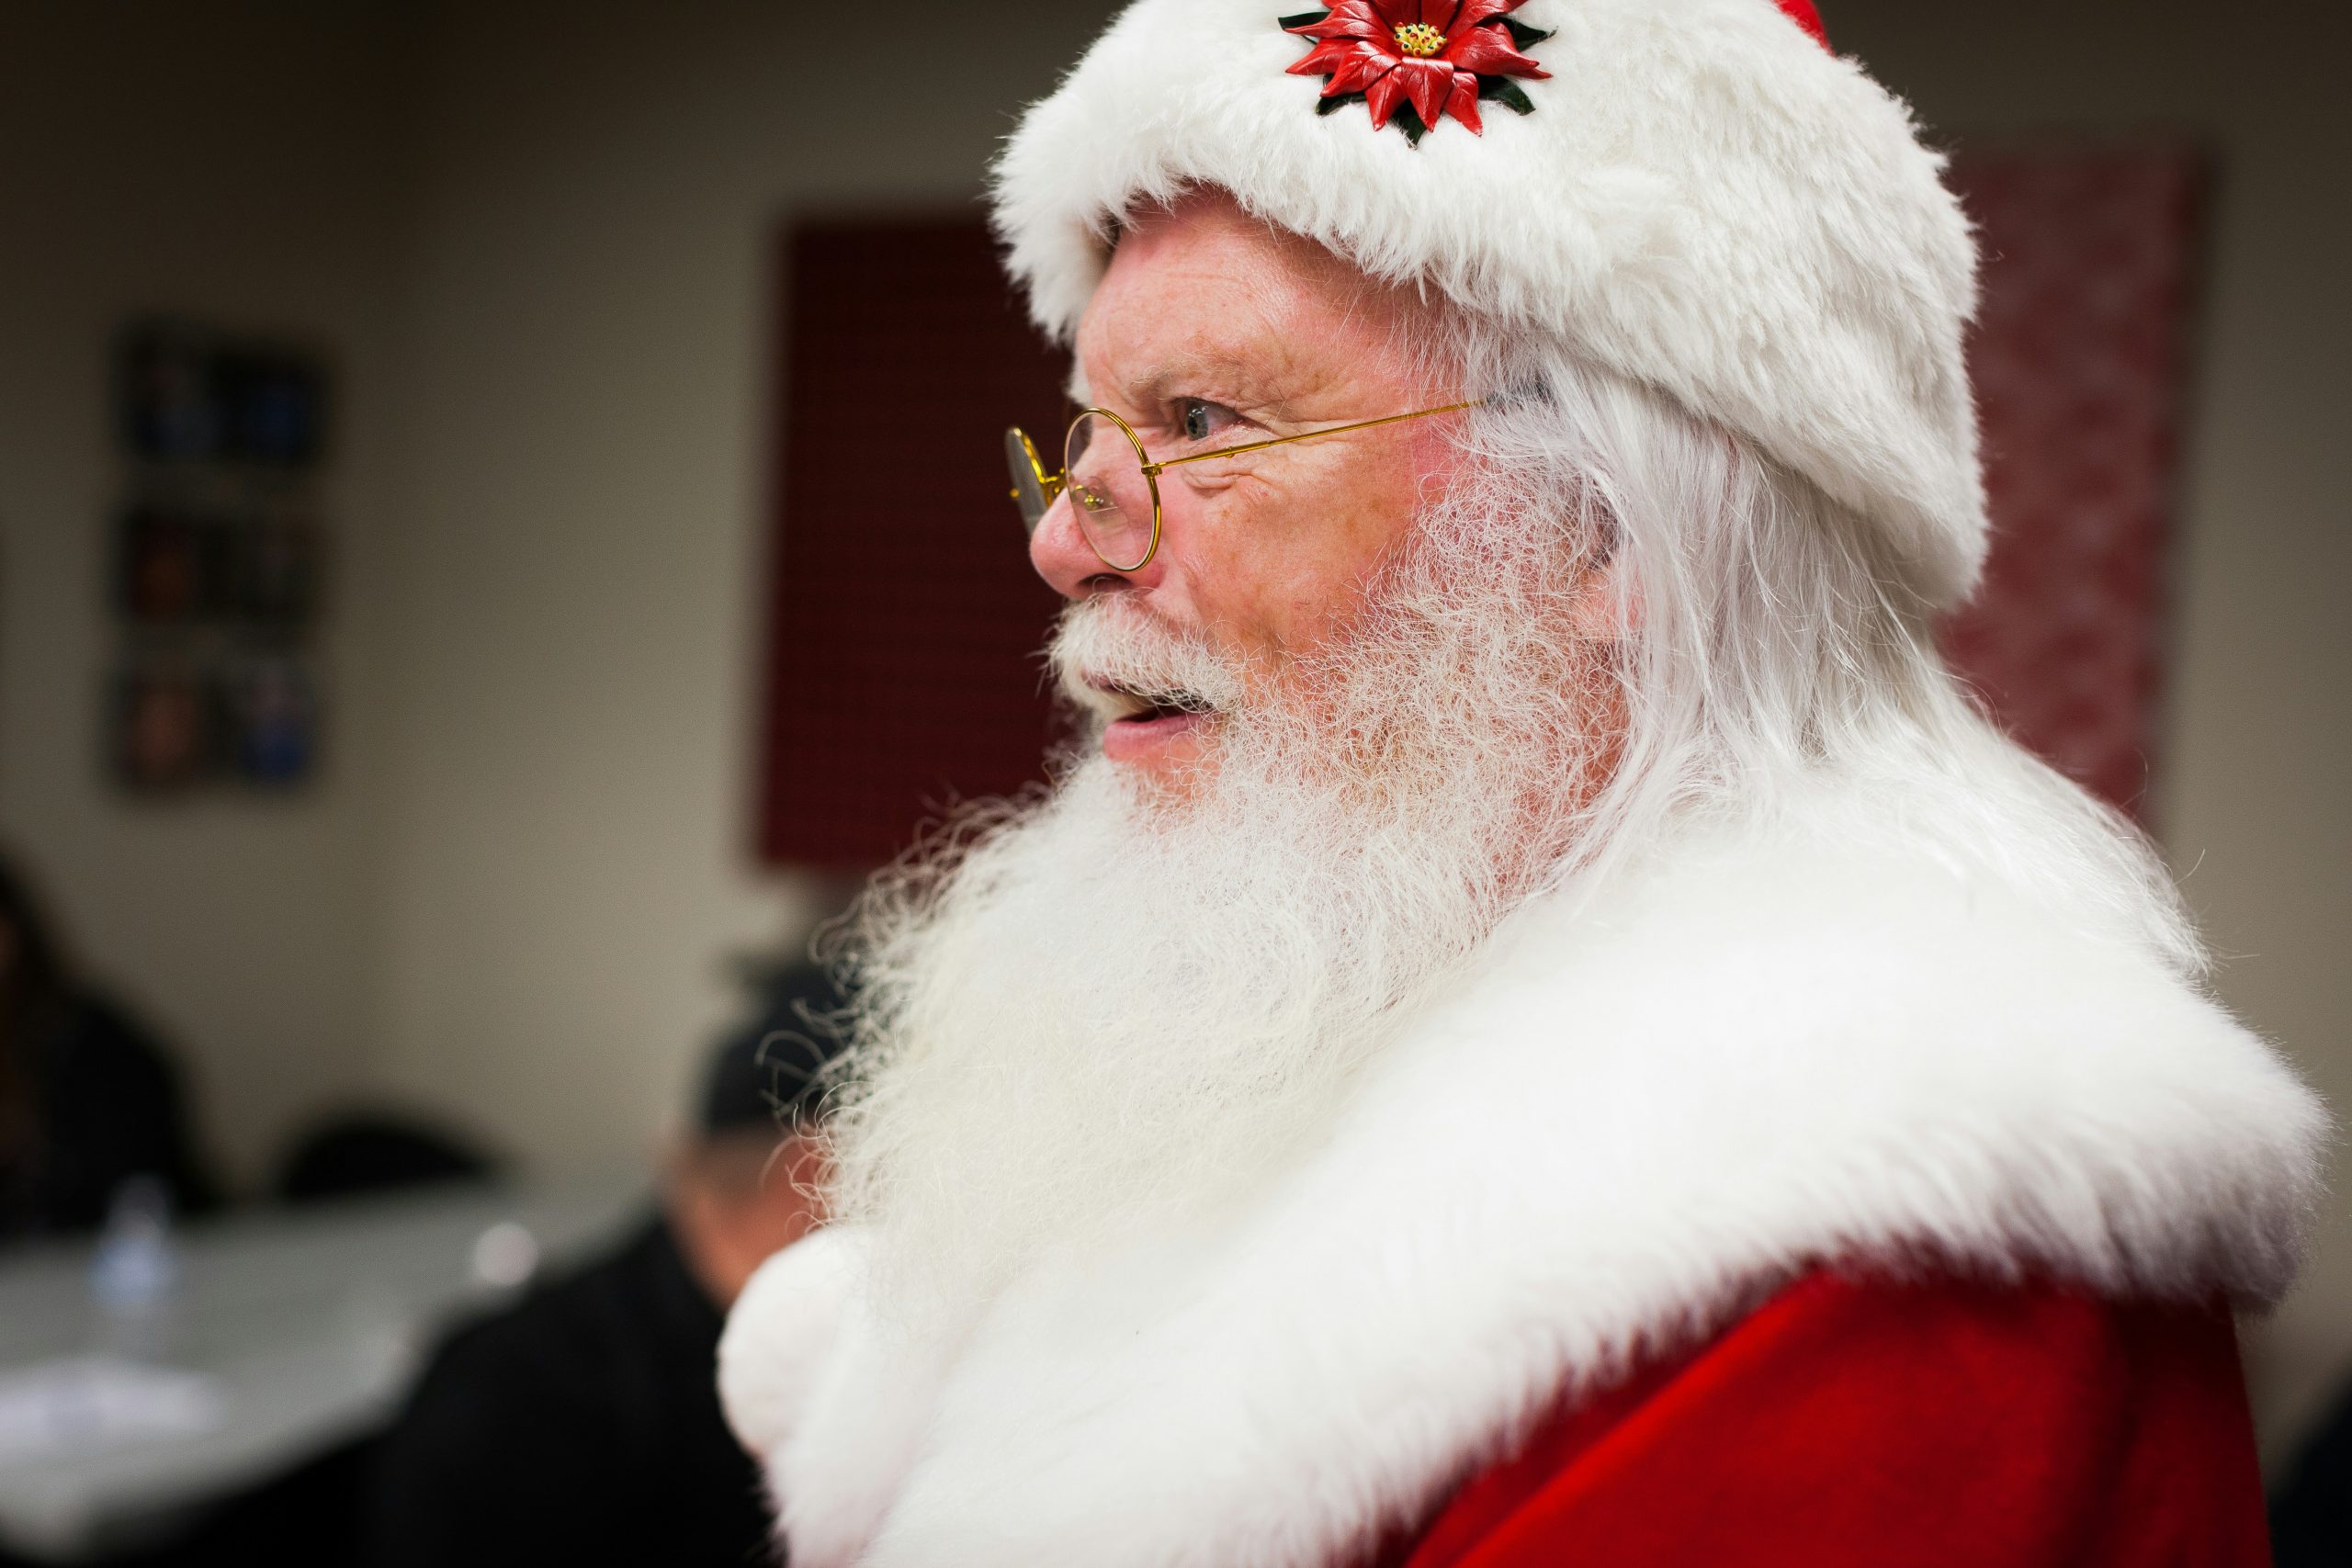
(107, 1106)
(2310, 1517)
(581, 1426)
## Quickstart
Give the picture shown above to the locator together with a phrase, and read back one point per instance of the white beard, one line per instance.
(1109, 1010)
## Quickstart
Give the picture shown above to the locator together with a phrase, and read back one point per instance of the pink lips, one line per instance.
(1147, 737)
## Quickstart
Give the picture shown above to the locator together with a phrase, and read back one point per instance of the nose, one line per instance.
(1068, 564)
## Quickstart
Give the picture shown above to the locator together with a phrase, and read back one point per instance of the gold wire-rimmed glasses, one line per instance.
(1110, 507)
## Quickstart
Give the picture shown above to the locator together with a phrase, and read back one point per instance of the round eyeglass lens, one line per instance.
(1028, 477)
(1103, 468)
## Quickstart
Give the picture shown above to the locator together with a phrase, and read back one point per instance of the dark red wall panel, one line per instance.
(2081, 364)
(904, 622)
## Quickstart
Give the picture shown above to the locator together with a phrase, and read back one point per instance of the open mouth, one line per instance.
(1131, 707)
(1154, 718)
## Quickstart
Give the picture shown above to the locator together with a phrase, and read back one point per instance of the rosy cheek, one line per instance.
(1251, 607)
(1272, 569)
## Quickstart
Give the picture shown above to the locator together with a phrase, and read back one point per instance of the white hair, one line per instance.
(1771, 665)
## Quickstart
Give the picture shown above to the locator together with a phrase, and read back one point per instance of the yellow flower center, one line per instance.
(1420, 40)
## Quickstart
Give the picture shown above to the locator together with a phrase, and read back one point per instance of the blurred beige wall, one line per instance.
(212, 161)
(538, 232)
(578, 581)
(2251, 800)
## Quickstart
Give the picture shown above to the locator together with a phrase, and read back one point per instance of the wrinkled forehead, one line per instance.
(1197, 287)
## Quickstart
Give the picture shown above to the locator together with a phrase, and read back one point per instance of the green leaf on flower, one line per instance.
(1303, 19)
(1409, 121)
(1332, 105)
(1521, 35)
(1503, 90)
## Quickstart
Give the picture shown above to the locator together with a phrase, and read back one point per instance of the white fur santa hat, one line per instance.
(1695, 194)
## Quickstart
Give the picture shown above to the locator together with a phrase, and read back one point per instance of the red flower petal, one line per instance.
(1357, 72)
(1487, 52)
(1426, 83)
(1463, 102)
(1382, 94)
(1355, 20)
(1351, 18)
(1477, 14)
(1356, 31)
(1327, 57)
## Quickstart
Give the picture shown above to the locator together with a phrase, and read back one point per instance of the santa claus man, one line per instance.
(1541, 1026)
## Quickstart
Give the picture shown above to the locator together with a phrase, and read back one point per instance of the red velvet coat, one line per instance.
(1867, 1424)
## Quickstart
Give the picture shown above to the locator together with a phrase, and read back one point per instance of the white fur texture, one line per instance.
(1703, 200)
(1646, 1107)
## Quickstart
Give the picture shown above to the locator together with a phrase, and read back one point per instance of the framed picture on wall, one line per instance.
(169, 565)
(188, 395)
(271, 710)
(219, 560)
(273, 569)
(165, 725)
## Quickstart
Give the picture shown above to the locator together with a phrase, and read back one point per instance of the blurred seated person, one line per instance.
(2310, 1518)
(583, 1425)
(88, 1098)
(365, 1151)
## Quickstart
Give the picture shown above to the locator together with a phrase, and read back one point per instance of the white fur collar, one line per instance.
(1637, 1115)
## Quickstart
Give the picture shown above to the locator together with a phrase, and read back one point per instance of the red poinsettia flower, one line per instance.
(1428, 54)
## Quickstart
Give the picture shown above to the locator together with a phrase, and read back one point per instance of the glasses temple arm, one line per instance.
(1153, 469)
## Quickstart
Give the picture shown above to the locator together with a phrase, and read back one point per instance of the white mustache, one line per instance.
(1104, 654)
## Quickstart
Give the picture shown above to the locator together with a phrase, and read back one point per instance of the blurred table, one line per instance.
(298, 1328)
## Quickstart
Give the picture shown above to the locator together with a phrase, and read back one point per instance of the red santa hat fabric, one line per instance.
(1699, 195)
(1803, 13)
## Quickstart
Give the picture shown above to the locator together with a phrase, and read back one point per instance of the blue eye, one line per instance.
(1197, 426)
